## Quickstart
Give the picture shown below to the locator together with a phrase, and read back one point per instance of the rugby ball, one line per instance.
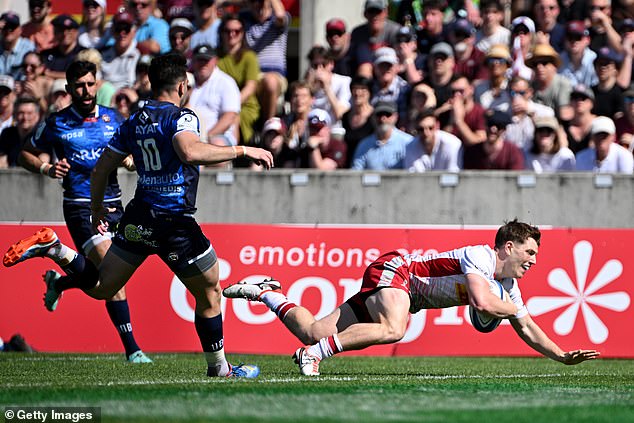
(483, 322)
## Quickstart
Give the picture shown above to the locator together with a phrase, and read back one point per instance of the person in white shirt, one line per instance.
(606, 156)
(547, 152)
(433, 149)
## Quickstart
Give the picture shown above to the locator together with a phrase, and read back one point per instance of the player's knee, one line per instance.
(392, 333)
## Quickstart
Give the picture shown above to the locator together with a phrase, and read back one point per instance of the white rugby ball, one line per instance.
(483, 322)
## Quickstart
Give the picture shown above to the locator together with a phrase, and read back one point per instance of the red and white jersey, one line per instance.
(439, 281)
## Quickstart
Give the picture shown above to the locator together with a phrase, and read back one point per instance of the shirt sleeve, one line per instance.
(479, 260)
(511, 286)
(118, 141)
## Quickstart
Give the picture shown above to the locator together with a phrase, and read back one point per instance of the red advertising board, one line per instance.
(579, 292)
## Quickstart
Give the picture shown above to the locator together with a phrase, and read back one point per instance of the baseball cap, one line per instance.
(546, 122)
(405, 34)
(182, 24)
(441, 48)
(602, 124)
(7, 81)
(317, 119)
(11, 19)
(123, 17)
(385, 55)
(58, 85)
(498, 119)
(584, 90)
(205, 50)
(523, 20)
(375, 4)
(65, 22)
(463, 26)
(335, 25)
(607, 53)
(577, 28)
(273, 124)
(385, 107)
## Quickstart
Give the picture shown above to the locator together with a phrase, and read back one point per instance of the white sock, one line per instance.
(217, 363)
(61, 254)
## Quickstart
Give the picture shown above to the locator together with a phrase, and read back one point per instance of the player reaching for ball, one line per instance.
(395, 285)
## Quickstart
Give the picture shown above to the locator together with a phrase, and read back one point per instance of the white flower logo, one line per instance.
(581, 296)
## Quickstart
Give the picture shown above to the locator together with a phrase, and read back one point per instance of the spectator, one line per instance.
(431, 31)
(274, 139)
(608, 93)
(602, 32)
(119, 60)
(605, 155)
(13, 47)
(240, 62)
(31, 81)
(577, 59)
(339, 44)
(388, 86)
(579, 128)
(207, 23)
(151, 32)
(432, 149)
(105, 89)
(174, 9)
(385, 148)
(441, 71)
(331, 90)
(267, 34)
(58, 97)
(322, 151)
(492, 32)
(411, 64)
(492, 93)
(625, 124)
(39, 28)
(495, 153)
(521, 131)
(92, 28)
(215, 99)
(550, 88)
(421, 98)
(12, 138)
(378, 31)
(180, 35)
(469, 60)
(523, 40)
(466, 117)
(297, 120)
(357, 121)
(547, 152)
(57, 59)
(549, 30)
(7, 98)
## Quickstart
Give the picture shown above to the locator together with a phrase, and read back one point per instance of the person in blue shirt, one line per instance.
(164, 140)
(78, 135)
(152, 33)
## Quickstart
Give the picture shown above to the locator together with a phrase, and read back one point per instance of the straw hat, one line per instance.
(542, 51)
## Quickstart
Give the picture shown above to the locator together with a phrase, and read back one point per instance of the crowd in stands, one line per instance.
(420, 85)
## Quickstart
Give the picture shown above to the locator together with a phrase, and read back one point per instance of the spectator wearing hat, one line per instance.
(151, 32)
(322, 151)
(385, 148)
(492, 93)
(441, 64)
(523, 40)
(238, 61)
(549, 30)
(357, 122)
(57, 59)
(7, 98)
(469, 60)
(13, 47)
(608, 92)
(466, 116)
(577, 59)
(58, 97)
(207, 23)
(338, 41)
(27, 115)
(547, 151)
(431, 29)
(411, 64)
(492, 32)
(605, 155)
(39, 28)
(174, 9)
(550, 88)
(433, 148)
(495, 153)
(602, 32)
(273, 138)
(215, 98)
(180, 35)
(120, 60)
(388, 86)
(577, 130)
(92, 28)
(625, 124)
(266, 25)
(378, 31)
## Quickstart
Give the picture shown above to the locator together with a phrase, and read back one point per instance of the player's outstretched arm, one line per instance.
(534, 336)
(481, 298)
(191, 151)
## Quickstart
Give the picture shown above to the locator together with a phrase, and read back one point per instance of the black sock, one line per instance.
(209, 331)
(81, 273)
(119, 313)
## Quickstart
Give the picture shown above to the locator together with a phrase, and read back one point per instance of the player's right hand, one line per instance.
(59, 169)
(260, 156)
(99, 222)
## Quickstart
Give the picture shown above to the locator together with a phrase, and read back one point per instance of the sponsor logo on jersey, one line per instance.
(139, 234)
(105, 118)
(82, 155)
(146, 129)
(73, 134)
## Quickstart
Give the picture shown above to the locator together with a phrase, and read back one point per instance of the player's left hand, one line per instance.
(259, 156)
(128, 163)
(99, 222)
(579, 356)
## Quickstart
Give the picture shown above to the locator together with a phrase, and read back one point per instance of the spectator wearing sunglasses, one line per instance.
(492, 93)
(613, 80)
(13, 47)
(39, 28)
(550, 88)
(57, 59)
(339, 46)
(577, 60)
(152, 32)
(92, 28)
(120, 60)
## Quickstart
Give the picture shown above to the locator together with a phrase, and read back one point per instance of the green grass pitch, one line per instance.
(351, 389)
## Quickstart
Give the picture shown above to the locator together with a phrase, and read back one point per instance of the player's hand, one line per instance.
(128, 163)
(59, 169)
(99, 222)
(579, 356)
(259, 156)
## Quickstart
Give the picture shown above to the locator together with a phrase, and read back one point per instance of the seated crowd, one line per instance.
(419, 86)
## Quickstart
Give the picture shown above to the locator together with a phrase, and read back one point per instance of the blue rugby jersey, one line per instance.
(80, 141)
(165, 182)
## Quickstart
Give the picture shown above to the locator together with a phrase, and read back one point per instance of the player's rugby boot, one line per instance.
(251, 291)
(35, 245)
(248, 371)
(51, 297)
(139, 357)
(308, 363)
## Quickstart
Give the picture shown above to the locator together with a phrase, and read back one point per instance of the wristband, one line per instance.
(42, 171)
(244, 151)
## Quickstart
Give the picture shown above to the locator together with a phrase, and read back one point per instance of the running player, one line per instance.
(164, 140)
(396, 285)
(79, 134)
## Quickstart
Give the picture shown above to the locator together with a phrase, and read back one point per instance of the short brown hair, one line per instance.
(516, 231)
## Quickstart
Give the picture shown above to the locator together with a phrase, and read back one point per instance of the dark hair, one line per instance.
(320, 52)
(517, 232)
(361, 81)
(223, 24)
(27, 99)
(428, 112)
(486, 4)
(435, 5)
(167, 71)
(79, 68)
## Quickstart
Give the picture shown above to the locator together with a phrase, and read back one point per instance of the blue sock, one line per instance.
(119, 313)
(209, 331)
(81, 273)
